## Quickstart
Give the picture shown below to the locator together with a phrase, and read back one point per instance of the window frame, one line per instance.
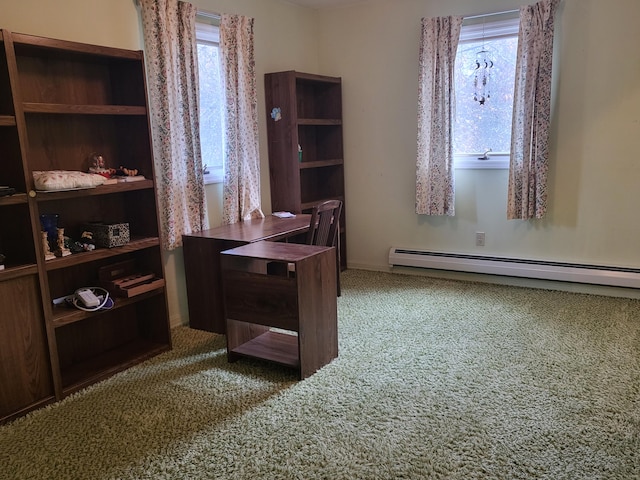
(504, 26)
(208, 33)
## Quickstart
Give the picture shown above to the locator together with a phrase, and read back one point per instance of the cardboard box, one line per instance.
(109, 235)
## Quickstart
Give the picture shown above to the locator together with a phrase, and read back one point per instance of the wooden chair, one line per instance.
(325, 229)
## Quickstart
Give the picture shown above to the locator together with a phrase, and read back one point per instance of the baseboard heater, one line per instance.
(516, 267)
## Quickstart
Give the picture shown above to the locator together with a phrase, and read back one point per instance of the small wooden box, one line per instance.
(122, 279)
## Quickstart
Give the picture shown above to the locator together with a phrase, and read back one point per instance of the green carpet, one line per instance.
(435, 379)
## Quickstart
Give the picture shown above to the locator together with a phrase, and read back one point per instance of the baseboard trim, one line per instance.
(570, 287)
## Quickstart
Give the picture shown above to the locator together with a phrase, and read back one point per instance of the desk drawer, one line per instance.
(270, 300)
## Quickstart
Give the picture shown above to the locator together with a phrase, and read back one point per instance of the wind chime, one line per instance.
(483, 68)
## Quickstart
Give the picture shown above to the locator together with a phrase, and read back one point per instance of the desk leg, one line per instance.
(204, 282)
(318, 312)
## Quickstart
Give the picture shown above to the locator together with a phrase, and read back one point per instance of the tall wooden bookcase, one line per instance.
(59, 102)
(305, 110)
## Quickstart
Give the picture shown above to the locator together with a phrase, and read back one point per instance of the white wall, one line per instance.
(112, 23)
(595, 138)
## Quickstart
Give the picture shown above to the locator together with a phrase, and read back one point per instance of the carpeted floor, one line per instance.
(435, 379)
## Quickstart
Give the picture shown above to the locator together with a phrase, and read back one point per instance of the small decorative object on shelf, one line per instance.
(49, 222)
(61, 251)
(98, 166)
(86, 242)
(124, 174)
(48, 254)
(2, 258)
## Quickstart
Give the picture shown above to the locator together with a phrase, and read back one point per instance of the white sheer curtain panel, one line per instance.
(172, 73)
(241, 189)
(434, 165)
(527, 194)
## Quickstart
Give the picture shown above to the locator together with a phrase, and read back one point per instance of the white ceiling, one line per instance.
(324, 3)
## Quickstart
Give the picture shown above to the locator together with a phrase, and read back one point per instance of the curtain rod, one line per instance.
(490, 14)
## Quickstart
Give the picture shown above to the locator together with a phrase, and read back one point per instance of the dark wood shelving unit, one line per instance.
(61, 101)
(15, 272)
(309, 205)
(92, 370)
(101, 253)
(44, 196)
(310, 115)
(319, 121)
(60, 108)
(15, 199)
(64, 315)
(7, 121)
(321, 163)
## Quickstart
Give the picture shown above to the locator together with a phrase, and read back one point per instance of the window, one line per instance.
(482, 126)
(211, 99)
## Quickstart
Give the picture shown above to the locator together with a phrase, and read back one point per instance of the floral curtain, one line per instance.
(527, 195)
(434, 165)
(172, 72)
(241, 190)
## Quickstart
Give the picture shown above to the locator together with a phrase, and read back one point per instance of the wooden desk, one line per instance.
(261, 292)
(202, 262)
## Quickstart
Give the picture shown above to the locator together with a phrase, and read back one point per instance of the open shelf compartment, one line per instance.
(111, 341)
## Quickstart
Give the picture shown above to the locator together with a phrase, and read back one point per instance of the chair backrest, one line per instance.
(324, 226)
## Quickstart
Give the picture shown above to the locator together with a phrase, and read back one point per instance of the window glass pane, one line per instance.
(211, 106)
(477, 127)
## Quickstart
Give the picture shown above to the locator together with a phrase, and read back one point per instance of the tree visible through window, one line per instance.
(211, 101)
(481, 127)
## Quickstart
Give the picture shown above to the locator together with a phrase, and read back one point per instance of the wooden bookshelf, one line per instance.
(310, 115)
(61, 101)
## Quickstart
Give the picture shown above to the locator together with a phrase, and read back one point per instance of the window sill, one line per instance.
(472, 162)
(212, 178)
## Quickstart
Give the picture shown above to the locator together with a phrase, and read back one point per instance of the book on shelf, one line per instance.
(134, 178)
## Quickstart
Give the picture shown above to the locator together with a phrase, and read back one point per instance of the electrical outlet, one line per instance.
(479, 239)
